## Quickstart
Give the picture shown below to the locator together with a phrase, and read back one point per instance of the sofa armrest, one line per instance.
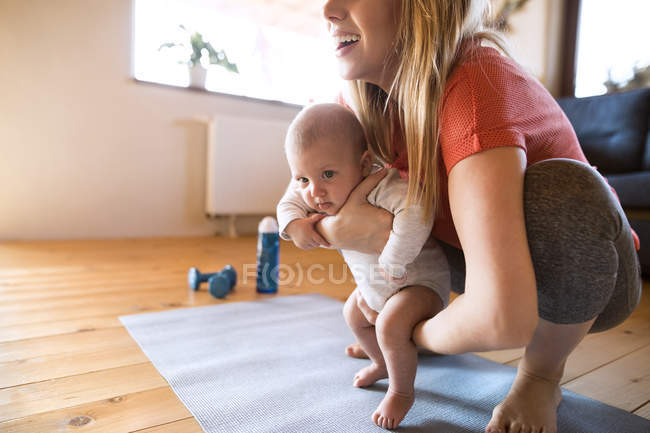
(633, 189)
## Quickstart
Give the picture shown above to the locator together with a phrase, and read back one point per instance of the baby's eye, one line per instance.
(328, 174)
(303, 180)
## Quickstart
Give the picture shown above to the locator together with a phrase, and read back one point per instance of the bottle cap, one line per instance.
(268, 225)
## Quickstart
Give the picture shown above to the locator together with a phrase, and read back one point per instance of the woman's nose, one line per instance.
(334, 10)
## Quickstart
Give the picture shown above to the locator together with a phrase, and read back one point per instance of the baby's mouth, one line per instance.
(324, 206)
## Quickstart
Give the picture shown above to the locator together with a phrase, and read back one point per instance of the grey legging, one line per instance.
(581, 244)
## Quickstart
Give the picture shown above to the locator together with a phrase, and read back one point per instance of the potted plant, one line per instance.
(508, 7)
(199, 48)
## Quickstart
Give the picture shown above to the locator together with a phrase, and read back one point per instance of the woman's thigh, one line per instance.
(581, 244)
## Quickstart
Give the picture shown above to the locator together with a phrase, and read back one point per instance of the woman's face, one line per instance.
(363, 32)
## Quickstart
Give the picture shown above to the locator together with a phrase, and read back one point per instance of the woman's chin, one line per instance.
(348, 72)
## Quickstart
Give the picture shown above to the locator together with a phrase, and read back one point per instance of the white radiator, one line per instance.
(247, 172)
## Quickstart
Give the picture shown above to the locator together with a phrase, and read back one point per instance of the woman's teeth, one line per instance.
(345, 40)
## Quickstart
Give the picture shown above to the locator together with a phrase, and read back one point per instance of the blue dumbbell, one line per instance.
(195, 278)
(222, 282)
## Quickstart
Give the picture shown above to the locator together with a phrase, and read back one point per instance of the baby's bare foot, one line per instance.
(369, 375)
(355, 351)
(531, 405)
(392, 409)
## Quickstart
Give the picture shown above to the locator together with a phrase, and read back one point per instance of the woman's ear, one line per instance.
(366, 163)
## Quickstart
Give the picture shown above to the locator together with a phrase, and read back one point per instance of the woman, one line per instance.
(547, 253)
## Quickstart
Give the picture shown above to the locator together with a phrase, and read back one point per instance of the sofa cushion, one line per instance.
(612, 129)
(633, 189)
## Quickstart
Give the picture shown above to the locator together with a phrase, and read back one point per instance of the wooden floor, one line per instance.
(67, 364)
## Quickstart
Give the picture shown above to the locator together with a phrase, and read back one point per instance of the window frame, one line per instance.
(569, 53)
(207, 91)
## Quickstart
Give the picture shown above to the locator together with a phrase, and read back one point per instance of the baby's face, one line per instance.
(325, 173)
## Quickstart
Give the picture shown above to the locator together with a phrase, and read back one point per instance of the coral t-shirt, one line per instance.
(489, 102)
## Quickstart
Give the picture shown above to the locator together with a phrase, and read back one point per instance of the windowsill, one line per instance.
(220, 94)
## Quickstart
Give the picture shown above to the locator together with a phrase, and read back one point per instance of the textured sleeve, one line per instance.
(410, 231)
(482, 109)
(290, 207)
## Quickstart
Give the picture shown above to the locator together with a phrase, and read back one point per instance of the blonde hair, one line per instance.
(432, 36)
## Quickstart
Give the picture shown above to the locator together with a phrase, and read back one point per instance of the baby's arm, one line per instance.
(410, 230)
(295, 222)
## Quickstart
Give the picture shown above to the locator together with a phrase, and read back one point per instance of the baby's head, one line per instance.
(327, 153)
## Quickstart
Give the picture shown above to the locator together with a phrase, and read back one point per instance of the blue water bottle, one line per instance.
(268, 255)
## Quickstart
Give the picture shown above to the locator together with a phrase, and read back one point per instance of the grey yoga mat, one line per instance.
(278, 365)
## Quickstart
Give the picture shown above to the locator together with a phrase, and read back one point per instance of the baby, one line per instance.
(407, 283)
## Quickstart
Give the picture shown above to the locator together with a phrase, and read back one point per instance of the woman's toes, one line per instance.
(515, 427)
(496, 424)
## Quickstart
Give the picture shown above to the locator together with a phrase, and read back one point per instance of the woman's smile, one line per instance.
(342, 50)
(363, 32)
(344, 42)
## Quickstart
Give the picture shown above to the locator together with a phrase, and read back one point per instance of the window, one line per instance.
(612, 41)
(281, 48)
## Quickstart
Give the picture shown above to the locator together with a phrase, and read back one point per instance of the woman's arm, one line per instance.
(358, 225)
(499, 307)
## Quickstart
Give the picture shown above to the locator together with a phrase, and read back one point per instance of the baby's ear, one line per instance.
(366, 163)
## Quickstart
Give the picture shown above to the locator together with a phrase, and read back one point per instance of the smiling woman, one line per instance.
(281, 49)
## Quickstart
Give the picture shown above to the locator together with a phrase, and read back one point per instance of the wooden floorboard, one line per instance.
(187, 425)
(55, 327)
(65, 392)
(48, 367)
(644, 410)
(67, 363)
(122, 413)
(623, 383)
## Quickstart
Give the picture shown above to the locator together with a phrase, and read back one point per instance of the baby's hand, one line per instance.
(304, 235)
(396, 275)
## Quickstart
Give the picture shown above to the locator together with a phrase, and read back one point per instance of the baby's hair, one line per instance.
(318, 121)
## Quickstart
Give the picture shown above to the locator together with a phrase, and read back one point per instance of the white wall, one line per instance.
(536, 39)
(85, 151)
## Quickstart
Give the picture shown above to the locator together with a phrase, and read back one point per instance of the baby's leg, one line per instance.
(365, 333)
(395, 325)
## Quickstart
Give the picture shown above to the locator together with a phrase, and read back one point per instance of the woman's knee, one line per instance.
(573, 194)
(574, 225)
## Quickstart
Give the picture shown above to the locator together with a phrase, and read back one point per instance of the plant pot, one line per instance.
(197, 76)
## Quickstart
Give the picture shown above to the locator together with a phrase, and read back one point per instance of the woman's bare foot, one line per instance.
(355, 351)
(530, 406)
(392, 409)
(369, 375)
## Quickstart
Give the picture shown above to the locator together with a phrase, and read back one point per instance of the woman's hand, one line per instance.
(358, 225)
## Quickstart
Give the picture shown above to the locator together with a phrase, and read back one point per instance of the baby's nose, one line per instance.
(317, 190)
